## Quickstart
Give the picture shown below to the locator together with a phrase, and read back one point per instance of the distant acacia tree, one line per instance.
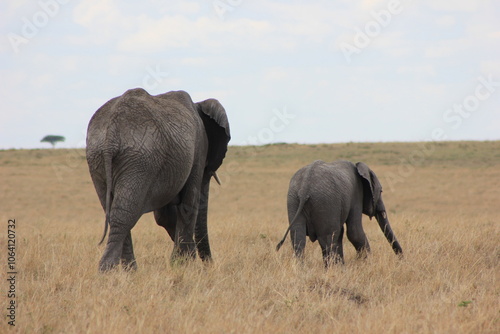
(52, 139)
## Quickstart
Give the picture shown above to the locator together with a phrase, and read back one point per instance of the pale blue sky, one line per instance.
(286, 71)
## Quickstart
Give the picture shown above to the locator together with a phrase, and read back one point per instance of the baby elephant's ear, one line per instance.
(372, 188)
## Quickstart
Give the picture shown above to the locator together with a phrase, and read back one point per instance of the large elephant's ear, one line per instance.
(372, 189)
(217, 127)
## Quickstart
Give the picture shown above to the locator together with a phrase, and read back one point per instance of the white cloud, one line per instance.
(491, 67)
(392, 42)
(188, 7)
(427, 70)
(381, 96)
(88, 13)
(70, 63)
(162, 7)
(446, 21)
(184, 25)
(154, 35)
(435, 90)
(446, 48)
(438, 51)
(181, 32)
(372, 4)
(484, 28)
(277, 74)
(315, 13)
(104, 22)
(194, 61)
(219, 94)
(41, 81)
(455, 5)
(14, 10)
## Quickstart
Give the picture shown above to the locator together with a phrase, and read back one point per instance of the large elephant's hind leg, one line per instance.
(187, 213)
(128, 258)
(123, 216)
(201, 229)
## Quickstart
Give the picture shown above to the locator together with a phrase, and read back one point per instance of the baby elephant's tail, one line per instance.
(299, 211)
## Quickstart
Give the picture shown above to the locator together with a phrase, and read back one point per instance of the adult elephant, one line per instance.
(156, 153)
(323, 196)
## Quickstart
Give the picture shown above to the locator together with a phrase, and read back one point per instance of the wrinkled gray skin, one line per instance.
(155, 153)
(323, 196)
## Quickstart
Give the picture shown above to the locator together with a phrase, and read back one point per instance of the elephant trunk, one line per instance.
(383, 222)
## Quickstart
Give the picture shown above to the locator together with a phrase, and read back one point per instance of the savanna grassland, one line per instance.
(442, 201)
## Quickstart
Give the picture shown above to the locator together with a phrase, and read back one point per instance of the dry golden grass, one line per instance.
(442, 206)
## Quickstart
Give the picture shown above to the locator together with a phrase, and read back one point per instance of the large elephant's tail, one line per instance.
(299, 211)
(109, 184)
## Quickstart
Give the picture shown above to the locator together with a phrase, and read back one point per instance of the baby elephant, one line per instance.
(322, 196)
